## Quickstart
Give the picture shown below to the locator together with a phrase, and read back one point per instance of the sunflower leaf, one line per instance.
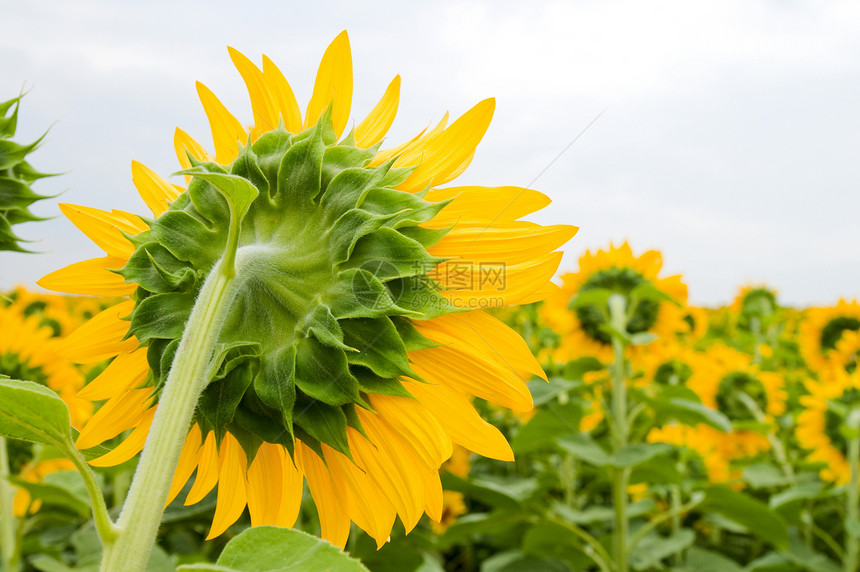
(32, 412)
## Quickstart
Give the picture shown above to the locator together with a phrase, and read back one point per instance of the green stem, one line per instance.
(675, 494)
(598, 553)
(144, 506)
(852, 515)
(652, 524)
(620, 477)
(104, 526)
(8, 546)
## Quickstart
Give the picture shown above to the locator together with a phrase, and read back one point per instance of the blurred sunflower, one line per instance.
(618, 270)
(818, 426)
(822, 328)
(354, 340)
(696, 319)
(727, 380)
(28, 351)
(754, 304)
(61, 313)
(847, 351)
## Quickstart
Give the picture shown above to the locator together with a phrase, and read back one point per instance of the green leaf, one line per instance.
(32, 412)
(546, 426)
(654, 548)
(752, 514)
(271, 549)
(701, 560)
(802, 491)
(55, 495)
(764, 475)
(507, 493)
(682, 404)
(588, 450)
(544, 392)
(598, 297)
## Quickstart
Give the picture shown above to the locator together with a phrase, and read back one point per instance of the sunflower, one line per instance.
(822, 328)
(616, 269)
(727, 380)
(356, 336)
(697, 320)
(28, 350)
(62, 314)
(818, 425)
(754, 301)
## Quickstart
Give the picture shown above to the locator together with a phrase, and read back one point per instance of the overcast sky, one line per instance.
(730, 138)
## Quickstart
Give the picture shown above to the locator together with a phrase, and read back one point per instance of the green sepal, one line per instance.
(254, 416)
(412, 338)
(9, 124)
(218, 403)
(322, 373)
(396, 176)
(188, 238)
(410, 209)
(369, 382)
(359, 294)
(348, 187)
(155, 269)
(300, 172)
(229, 356)
(352, 419)
(161, 316)
(326, 423)
(248, 440)
(379, 346)
(401, 255)
(425, 236)
(12, 153)
(325, 328)
(15, 193)
(247, 167)
(420, 295)
(350, 228)
(275, 384)
(269, 149)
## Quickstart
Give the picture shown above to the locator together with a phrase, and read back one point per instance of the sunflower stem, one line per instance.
(105, 527)
(620, 477)
(8, 545)
(141, 514)
(852, 514)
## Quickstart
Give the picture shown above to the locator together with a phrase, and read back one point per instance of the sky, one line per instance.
(724, 134)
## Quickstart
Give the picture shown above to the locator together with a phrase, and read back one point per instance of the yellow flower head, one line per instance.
(616, 269)
(822, 328)
(356, 338)
(824, 412)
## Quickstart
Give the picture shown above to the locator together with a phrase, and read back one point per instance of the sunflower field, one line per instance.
(317, 353)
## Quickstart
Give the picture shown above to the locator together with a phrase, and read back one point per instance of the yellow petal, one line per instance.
(392, 466)
(90, 277)
(227, 131)
(155, 191)
(282, 96)
(184, 145)
(207, 471)
(132, 445)
(484, 205)
(103, 228)
(334, 522)
(512, 243)
(486, 335)
(410, 149)
(266, 116)
(460, 420)
(265, 476)
(471, 284)
(443, 155)
(432, 494)
(476, 374)
(101, 337)
(408, 419)
(127, 370)
(377, 123)
(291, 493)
(117, 415)
(232, 494)
(188, 459)
(361, 496)
(333, 85)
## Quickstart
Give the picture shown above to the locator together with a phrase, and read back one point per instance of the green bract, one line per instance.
(16, 176)
(330, 270)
